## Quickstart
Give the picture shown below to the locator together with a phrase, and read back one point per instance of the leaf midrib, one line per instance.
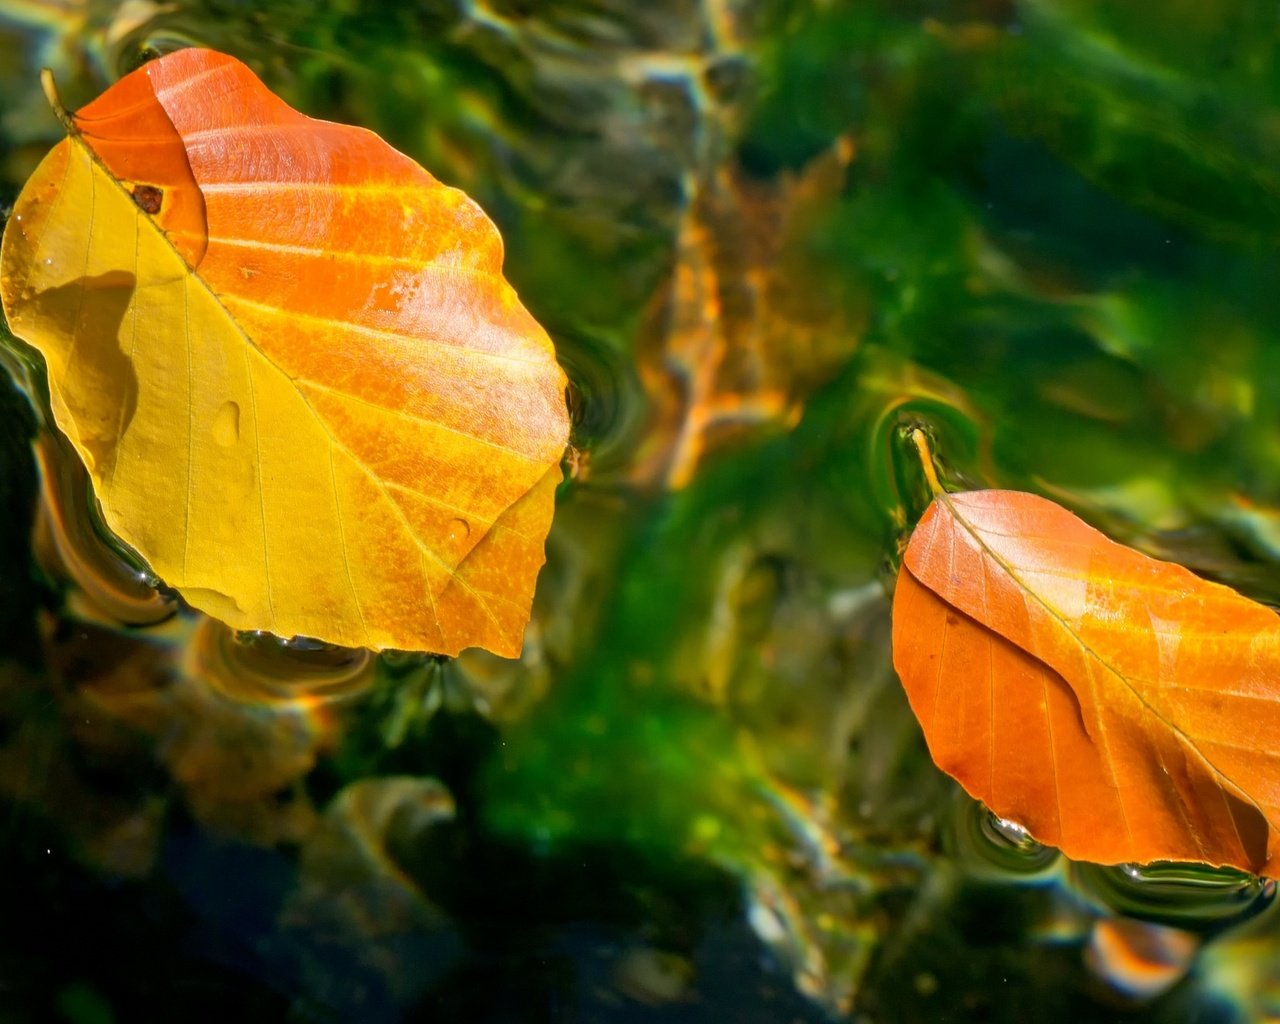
(454, 573)
(1089, 652)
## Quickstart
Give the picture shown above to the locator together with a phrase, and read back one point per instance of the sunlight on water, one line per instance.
(772, 243)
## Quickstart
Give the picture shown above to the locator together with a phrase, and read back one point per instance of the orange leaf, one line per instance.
(288, 357)
(1116, 706)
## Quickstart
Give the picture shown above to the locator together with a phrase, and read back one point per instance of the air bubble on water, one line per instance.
(304, 643)
(994, 847)
(1016, 835)
(147, 579)
(248, 637)
(1195, 897)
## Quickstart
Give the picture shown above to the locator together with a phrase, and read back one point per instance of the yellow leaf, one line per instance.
(287, 356)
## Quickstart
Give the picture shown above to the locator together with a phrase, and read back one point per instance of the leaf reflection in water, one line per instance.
(148, 707)
(369, 940)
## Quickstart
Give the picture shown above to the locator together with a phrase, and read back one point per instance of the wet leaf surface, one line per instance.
(1116, 706)
(700, 794)
(246, 312)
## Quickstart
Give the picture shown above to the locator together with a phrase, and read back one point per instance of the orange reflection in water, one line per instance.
(147, 709)
(739, 335)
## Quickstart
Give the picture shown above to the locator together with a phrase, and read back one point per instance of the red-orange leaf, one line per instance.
(1116, 706)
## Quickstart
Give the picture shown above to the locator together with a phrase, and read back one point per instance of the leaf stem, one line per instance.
(921, 441)
(50, 88)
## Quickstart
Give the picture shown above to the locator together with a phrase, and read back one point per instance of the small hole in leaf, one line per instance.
(148, 198)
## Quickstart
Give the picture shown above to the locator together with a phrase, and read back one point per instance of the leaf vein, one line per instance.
(1230, 601)
(374, 332)
(1090, 658)
(942, 647)
(305, 382)
(183, 84)
(262, 497)
(991, 681)
(342, 545)
(191, 422)
(436, 263)
(1213, 691)
(257, 187)
(468, 514)
(408, 527)
(1053, 751)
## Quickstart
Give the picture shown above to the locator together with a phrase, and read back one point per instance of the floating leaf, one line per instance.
(288, 358)
(1116, 706)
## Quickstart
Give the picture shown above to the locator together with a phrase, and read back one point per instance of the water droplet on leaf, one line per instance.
(226, 424)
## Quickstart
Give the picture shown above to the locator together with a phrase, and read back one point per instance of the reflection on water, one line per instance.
(1138, 958)
(368, 937)
(1194, 896)
(999, 850)
(742, 331)
(771, 241)
(72, 544)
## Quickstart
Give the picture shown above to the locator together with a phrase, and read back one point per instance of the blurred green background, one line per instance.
(768, 238)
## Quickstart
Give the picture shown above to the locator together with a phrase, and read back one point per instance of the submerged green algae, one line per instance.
(1052, 245)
